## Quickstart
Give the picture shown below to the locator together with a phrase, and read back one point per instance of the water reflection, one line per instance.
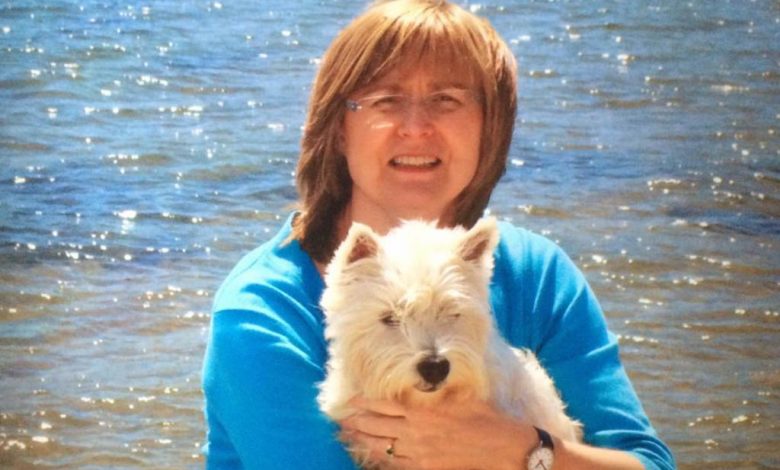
(146, 147)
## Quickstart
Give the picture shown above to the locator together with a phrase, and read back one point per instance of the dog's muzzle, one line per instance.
(433, 369)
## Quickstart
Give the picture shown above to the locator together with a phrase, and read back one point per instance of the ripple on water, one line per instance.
(139, 165)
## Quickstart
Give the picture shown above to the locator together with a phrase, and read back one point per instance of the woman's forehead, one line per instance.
(429, 72)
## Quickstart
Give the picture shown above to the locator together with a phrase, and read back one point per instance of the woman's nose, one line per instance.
(416, 120)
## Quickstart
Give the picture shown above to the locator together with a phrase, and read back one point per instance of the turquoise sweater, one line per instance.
(267, 352)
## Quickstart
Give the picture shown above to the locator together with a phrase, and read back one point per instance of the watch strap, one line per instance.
(545, 440)
(541, 457)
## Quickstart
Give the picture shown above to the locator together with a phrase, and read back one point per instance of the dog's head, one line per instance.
(408, 313)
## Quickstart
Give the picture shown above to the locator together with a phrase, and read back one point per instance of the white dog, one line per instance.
(408, 319)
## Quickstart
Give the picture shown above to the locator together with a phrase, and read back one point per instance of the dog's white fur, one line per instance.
(393, 300)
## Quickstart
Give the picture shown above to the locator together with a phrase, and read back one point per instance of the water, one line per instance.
(147, 146)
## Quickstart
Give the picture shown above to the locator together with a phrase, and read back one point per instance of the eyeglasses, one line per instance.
(437, 105)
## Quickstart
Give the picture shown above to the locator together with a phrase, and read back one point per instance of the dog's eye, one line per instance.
(390, 319)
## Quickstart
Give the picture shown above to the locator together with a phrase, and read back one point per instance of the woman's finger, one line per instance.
(374, 424)
(376, 449)
(380, 407)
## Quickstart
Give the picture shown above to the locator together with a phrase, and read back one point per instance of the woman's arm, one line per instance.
(552, 310)
(260, 378)
(575, 456)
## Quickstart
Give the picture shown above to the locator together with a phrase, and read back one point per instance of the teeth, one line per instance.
(414, 161)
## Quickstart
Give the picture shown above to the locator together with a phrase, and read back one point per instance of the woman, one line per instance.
(411, 116)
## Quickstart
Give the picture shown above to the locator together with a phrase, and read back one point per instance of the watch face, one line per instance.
(540, 459)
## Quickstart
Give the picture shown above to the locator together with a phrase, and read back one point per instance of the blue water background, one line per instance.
(146, 146)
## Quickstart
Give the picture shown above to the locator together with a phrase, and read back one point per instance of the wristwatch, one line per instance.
(541, 458)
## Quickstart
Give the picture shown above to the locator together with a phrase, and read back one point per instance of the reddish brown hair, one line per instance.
(390, 34)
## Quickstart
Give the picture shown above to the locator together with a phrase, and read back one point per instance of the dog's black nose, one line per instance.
(434, 369)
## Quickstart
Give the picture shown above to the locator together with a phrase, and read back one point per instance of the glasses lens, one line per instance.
(392, 107)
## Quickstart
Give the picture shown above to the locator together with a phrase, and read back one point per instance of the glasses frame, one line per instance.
(428, 102)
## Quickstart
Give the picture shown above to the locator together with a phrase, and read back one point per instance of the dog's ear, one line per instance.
(361, 243)
(479, 242)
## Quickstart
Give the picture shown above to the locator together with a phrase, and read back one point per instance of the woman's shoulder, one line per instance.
(535, 261)
(278, 264)
(522, 247)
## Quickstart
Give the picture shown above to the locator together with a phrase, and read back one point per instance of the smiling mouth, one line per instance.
(414, 162)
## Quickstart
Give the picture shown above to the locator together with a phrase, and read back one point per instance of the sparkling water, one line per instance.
(146, 146)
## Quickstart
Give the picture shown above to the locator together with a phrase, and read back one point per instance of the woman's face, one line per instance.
(412, 141)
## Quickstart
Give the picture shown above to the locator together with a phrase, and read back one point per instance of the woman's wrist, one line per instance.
(522, 442)
(542, 456)
(578, 456)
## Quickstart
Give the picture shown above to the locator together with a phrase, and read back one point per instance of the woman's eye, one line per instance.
(444, 102)
(445, 98)
(388, 102)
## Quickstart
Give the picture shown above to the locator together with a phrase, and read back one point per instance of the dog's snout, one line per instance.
(434, 369)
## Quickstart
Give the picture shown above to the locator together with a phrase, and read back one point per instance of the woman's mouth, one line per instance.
(408, 161)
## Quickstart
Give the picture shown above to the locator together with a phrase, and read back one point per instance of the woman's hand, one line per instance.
(462, 435)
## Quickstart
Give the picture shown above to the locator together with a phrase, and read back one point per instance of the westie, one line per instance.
(408, 319)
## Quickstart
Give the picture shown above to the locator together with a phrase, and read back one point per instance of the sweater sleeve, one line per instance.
(261, 368)
(563, 324)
